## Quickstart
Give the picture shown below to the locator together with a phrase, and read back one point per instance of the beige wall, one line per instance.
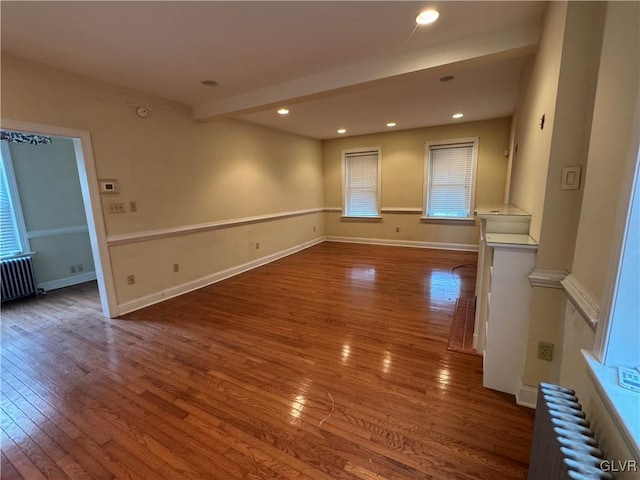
(531, 160)
(561, 85)
(593, 106)
(581, 47)
(49, 189)
(178, 171)
(611, 159)
(615, 104)
(402, 174)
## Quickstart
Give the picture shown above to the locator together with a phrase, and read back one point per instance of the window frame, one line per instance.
(475, 142)
(345, 154)
(602, 361)
(14, 201)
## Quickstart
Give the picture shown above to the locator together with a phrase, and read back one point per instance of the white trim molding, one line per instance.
(620, 403)
(177, 290)
(14, 196)
(405, 243)
(544, 277)
(88, 177)
(401, 210)
(527, 396)
(583, 300)
(405, 210)
(67, 281)
(54, 232)
(143, 236)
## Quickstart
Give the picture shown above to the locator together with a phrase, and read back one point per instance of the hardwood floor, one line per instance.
(328, 364)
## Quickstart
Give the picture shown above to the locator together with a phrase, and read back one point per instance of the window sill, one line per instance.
(623, 404)
(348, 217)
(18, 255)
(449, 221)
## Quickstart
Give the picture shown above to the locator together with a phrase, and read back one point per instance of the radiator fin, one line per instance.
(18, 279)
(563, 444)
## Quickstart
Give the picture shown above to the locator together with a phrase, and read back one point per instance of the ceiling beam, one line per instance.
(495, 45)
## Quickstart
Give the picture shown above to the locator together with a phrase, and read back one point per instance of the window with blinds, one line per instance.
(362, 183)
(449, 179)
(10, 241)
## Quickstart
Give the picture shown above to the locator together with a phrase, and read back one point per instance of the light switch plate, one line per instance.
(571, 178)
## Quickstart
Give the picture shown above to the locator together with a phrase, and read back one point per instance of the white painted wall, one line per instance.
(49, 189)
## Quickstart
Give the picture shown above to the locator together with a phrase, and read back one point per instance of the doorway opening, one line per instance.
(78, 143)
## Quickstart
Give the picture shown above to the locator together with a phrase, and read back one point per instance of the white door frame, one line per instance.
(92, 205)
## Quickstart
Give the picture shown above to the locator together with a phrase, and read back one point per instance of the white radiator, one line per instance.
(18, 279)
(563, 445)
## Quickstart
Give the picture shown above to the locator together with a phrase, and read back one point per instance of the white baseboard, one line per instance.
(181, 289)
(67, 282)
(527, 396)
(405, 243)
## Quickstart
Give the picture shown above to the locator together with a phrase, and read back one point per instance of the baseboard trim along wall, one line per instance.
(143, 236)
(527, 396)
(405, 243)
(67, 282)
(192, 285)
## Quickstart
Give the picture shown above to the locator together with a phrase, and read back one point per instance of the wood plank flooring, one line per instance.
(328, 364)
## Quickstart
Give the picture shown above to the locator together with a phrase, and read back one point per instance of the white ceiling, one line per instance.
(334, 64)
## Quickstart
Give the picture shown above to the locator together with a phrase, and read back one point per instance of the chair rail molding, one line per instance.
(54, 232)
(582, 299)
(125, 238)
(548, 278)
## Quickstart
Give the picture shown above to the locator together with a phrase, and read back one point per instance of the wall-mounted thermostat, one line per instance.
(108, 186)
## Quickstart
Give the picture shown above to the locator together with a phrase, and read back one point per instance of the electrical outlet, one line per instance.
(176, 267)
(116, 207)
(72, 269)
(131, 279)
(257, 246)
(397, 229)
(545, 351)
(80, 268)
(133, 206)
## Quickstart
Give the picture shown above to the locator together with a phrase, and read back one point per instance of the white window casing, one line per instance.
(361, 182)
(13, 234)
(450, 178)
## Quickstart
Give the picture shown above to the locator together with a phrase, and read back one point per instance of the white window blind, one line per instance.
(449, 181)
(361, 184)
(9, 236)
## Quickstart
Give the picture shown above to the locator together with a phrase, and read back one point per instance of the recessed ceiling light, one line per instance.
(283, 111)
(391, 124)
(209, 83)
(447, 78)
(427, 17)
(458, 115)
(341, 131)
